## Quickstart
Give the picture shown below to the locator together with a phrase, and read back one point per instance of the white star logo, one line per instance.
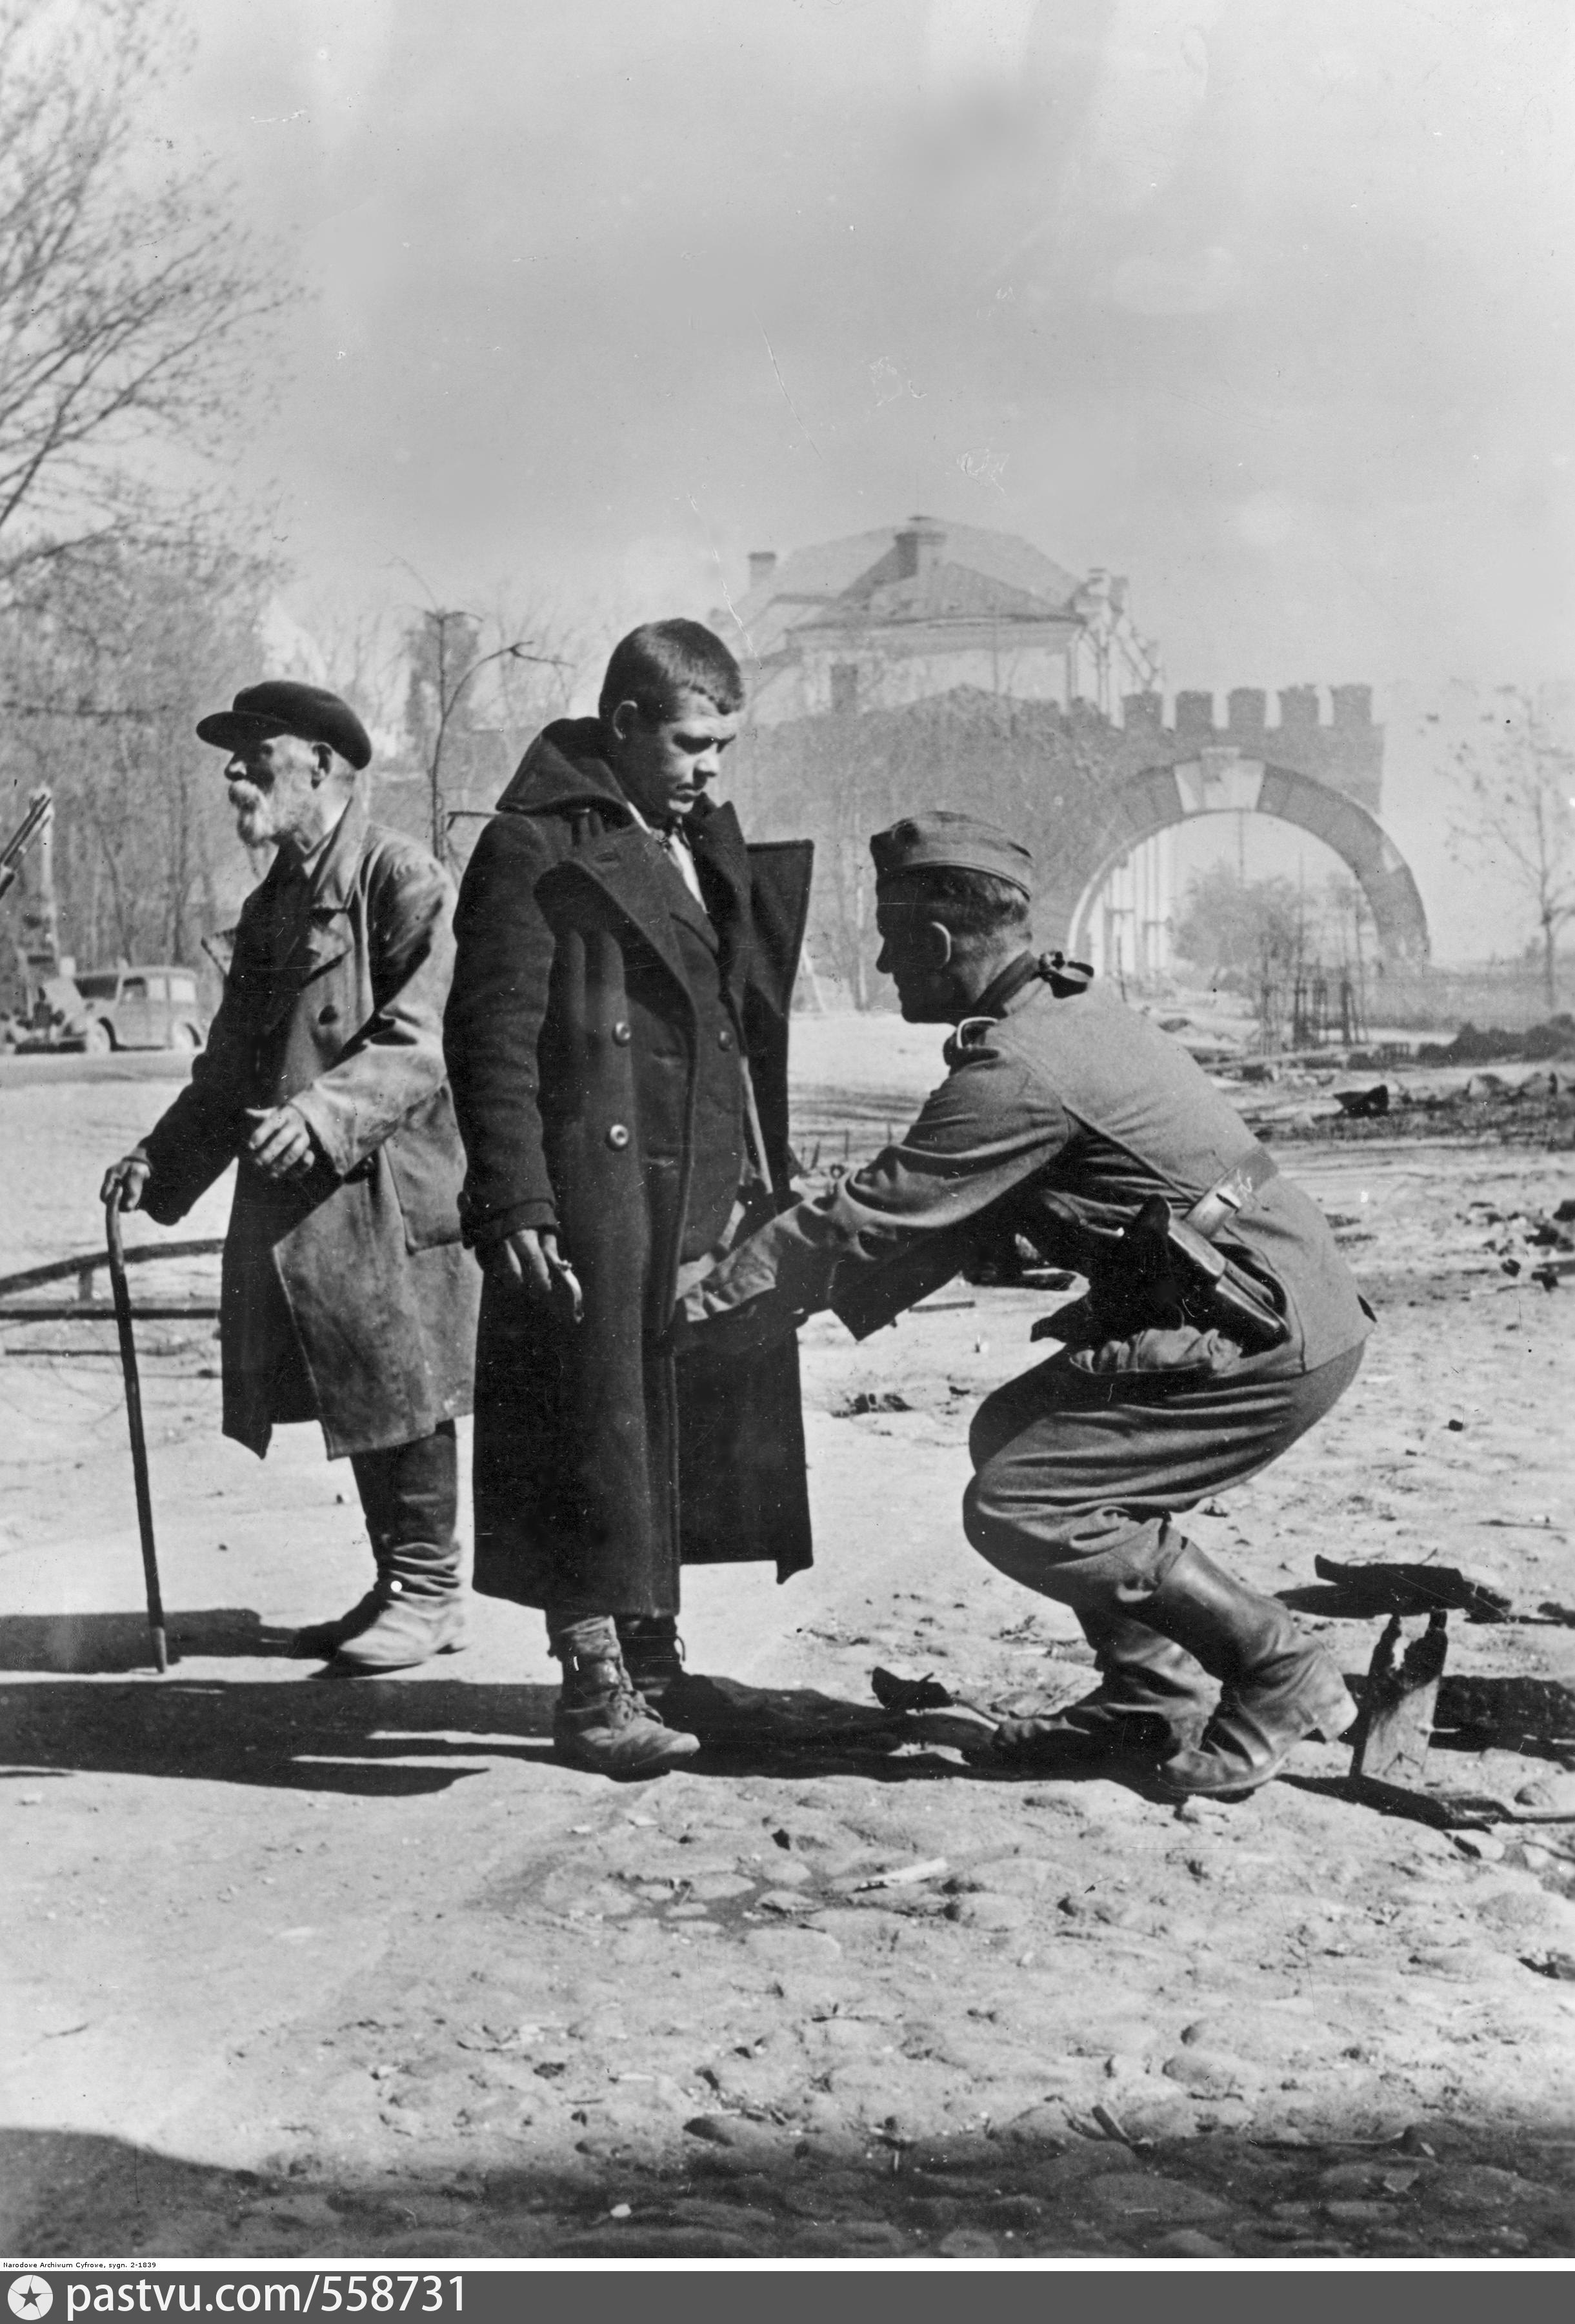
(29, 2296)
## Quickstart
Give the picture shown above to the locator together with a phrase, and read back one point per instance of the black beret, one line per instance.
(282, 706)
(939, 839)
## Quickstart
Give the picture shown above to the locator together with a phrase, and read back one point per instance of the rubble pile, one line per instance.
(1292, 1099)
(1494, 1046)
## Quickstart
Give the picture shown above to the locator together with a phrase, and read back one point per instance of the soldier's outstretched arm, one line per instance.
(880, 1240)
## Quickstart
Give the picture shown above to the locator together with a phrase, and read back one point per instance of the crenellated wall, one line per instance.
(1079, 790)
(1346, 751)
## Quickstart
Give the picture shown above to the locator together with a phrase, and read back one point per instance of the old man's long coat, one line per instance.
(349, 1297)
(593, 1007)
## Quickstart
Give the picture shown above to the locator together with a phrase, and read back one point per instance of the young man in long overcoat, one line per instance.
(347, 1296)
(616, 1040)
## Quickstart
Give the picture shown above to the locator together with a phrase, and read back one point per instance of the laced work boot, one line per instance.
(653, 1654)
(1277, 1688)
(602, 1722)
(1153, 1699)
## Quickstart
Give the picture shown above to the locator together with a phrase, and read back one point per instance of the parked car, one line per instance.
(153, 1008)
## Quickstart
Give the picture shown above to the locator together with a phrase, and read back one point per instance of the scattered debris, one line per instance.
(1396, 1727)
(1375, 1586)
(1493, 1044)
(1539, 1708)
(905, 1877)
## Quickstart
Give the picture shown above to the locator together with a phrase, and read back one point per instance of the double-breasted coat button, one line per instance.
(725, 1038)
(622, 1034)
(618, 1138)
(328, 1015)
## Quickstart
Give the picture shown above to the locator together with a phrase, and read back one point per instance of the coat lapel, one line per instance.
(322, 933)
(619, 863)
(718, 847)
(683, 905)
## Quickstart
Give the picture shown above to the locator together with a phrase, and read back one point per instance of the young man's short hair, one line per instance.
(654, 665)
(975, 906)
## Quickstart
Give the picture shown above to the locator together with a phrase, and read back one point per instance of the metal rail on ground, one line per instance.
(85, 1308)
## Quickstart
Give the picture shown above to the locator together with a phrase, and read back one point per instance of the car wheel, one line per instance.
(98, 1040)
(184, 1037)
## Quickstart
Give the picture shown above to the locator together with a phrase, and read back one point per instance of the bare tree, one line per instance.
(125, 297)
(538, 684)
(446, 712)
(358, 650)
(107, 657)
(1515, 789)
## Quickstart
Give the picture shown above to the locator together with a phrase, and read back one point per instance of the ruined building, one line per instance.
(886, 618)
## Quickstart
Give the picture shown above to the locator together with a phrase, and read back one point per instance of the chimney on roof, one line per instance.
(762, 565)
(918, 547)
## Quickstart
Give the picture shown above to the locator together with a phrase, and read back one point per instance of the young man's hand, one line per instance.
(529, 1260)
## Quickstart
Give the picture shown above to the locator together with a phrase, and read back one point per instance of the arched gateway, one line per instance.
(1224, 781)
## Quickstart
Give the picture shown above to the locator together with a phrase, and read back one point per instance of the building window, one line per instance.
(844, 686)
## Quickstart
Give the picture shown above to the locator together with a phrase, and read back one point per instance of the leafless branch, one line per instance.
(125, 298)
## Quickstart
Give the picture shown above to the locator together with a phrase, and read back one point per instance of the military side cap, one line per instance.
(282, 706)
(940, 839)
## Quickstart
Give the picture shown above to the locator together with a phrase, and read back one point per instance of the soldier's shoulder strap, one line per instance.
(1066, 978)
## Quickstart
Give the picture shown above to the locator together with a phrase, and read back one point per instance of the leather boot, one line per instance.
(410, 1494)
(322, 1639)
(653, 1653)
(403, 1623)
(1152, 1699)
(602, 1722)
(1277, 1687)
(416, 1611)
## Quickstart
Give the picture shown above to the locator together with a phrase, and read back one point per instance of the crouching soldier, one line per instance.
(1221, 1321)
(348, 1297)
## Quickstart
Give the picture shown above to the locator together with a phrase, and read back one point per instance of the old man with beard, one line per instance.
(347, 1296)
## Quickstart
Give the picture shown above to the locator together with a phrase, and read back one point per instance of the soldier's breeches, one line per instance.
(1075, 1485)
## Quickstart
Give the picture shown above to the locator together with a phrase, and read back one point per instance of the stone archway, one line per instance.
(1221, 781)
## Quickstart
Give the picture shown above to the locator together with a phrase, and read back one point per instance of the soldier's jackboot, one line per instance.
(602, 1722)
(1153, 1699)
(1277, 1688)
(653, 1653)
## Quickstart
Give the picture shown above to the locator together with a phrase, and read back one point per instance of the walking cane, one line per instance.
(139, 1444)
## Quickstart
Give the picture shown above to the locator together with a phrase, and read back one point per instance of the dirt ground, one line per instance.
(299, 1967)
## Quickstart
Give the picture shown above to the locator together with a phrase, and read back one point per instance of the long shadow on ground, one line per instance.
(733, 2188)
(360, 1737)
(309, 1732)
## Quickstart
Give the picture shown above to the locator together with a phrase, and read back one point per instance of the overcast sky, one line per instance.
(1264, 303)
